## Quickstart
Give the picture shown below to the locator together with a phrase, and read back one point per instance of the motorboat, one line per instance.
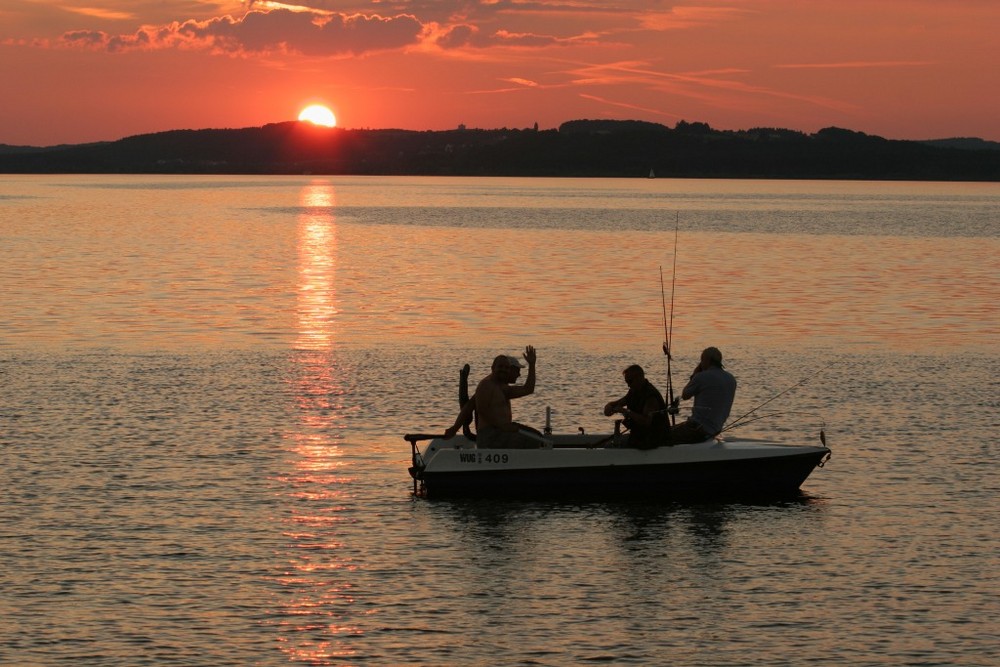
(603, 465)
(598, 465)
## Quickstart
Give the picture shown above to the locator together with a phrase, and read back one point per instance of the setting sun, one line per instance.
(318, 114)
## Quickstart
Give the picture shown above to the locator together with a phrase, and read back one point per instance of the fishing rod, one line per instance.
(739, 420)
(767, 415)
(666, 350)
(666, 336)
(668, 332)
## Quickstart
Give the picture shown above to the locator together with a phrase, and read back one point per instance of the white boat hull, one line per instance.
(581, 465)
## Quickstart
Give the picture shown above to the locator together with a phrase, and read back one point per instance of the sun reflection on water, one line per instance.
(317, 289)
(316, 598)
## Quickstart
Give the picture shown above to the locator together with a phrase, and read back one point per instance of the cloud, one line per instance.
(705, 86)
(683, 17)
(282, 30)
(312, 28)
(534, 40)
(880, 64)
(522, 82)
(98, 13)
(469, 36)
(630, 107)
(455, 36)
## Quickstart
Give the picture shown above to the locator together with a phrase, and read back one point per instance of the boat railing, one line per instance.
(416, 457)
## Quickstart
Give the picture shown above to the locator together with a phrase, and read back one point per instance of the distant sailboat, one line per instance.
(652, 174)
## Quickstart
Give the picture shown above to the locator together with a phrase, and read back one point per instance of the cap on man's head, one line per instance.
(515, 362)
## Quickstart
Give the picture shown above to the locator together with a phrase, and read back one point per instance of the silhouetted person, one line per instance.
(495, 426)
(713, 389)
(643, 409)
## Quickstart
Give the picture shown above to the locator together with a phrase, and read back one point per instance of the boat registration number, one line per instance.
(478, 457)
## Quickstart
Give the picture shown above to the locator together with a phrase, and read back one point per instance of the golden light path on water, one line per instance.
(315, 481)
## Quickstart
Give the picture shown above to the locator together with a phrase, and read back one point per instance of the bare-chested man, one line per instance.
(495, 424)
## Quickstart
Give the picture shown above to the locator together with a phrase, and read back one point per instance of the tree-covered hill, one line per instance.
(577, 148)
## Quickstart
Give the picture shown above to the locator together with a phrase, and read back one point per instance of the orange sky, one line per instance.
(73, 71)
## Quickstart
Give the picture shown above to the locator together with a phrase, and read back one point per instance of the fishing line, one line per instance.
(673, 280)
(737, 422)
(768, 415)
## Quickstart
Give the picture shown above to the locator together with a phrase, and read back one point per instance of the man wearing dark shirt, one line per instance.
(643, 409)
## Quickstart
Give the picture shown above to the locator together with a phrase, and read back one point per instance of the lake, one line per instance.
(204, 383)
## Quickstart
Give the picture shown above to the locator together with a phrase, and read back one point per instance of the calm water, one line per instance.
(204, 383)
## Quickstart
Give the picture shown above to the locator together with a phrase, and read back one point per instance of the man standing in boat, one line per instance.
(713, 389)
(495, 425)
(643, 408)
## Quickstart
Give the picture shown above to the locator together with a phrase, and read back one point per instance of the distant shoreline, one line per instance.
(582, 148)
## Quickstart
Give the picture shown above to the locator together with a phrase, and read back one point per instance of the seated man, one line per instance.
(643, 408)
(713, 389)
(495, 425)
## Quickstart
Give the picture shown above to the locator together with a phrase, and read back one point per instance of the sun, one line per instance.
(317, 114)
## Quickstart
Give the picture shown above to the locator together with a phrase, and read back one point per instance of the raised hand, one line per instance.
(529, 355)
